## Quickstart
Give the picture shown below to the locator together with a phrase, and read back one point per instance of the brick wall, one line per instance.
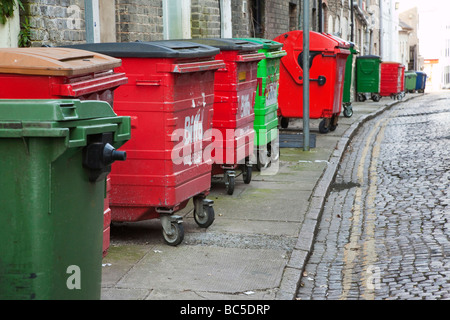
(240, 18)
(59, 22)
(205, 18)
(278, 18)
(55, 22)
(139, 20)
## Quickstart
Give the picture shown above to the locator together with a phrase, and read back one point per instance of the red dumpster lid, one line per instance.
(54, 61)
(317, 41)
(341, 42)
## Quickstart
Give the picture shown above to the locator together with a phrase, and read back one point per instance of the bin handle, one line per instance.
(89, 86)
(250, 57)
(320, 79)
(148, 82)
(276, 54)
(190, 67)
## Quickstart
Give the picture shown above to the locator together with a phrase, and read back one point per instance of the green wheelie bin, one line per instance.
(410, 81)
(266, 102)
(56, 155)
(368, 75)
(346, 94)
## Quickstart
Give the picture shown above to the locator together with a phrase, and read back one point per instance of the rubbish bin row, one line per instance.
(182, 112)
(386, 79)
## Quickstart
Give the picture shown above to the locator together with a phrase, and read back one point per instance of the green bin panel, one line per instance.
(348, 75)
(368, 74)
(410, 81)
(51, 222)
(266, 99)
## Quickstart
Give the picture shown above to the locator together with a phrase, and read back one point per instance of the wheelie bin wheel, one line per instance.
(274, 151)
(348, 111)
(207, 217)
(323, 127)
(284, 122)
(263, 158)
(333, 122)
(361, 97)
(247, 172)
(376, 97)
(203, 212)
(230, 182)
(176, 235)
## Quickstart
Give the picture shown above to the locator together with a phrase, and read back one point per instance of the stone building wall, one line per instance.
(55, 22)
(205, 19)
(139, 20)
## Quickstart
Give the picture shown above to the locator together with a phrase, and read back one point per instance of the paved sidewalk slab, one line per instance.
(259, 242)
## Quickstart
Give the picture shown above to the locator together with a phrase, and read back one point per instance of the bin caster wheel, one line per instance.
(274, 151)
(263, 158)
(376, 97)
(173, 230)
(284, 122)
(348, 112)
(247, 172)
(323, 127)
(203, 212)
(361, 97)
(230, 182)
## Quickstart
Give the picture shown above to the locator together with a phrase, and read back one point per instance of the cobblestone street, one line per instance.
(385, 229)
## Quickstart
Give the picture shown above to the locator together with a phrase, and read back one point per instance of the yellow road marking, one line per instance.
(352, 248)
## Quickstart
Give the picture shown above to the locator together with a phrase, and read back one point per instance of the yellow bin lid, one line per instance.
(54, 61)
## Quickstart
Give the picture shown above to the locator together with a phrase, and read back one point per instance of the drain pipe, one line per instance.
(306, 75)
(352, 34)
(381, 29)
(320, 17)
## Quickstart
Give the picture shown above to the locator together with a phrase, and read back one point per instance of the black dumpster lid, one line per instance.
(369, 56)
(228, 44)
(150, 49)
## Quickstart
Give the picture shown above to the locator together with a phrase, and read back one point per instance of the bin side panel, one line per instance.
(170, 112)
(54, 224)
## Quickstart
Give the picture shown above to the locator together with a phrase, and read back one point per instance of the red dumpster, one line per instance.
(392, 80)
(234, 90)
(328, 56)
(169, 97)
(44, 73)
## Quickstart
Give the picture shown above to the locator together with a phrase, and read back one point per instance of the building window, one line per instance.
(292, 16)
(177, 19)
(257, 18)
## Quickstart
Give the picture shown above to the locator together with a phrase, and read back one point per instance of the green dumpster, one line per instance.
(346, 100)
(266, 102)
(410, 81)
(56, 155)
(368, 69)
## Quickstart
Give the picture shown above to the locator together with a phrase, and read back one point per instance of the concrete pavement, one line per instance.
(257, 246)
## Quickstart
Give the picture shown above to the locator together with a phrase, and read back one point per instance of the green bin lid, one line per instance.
(150, 49)
(228, 44)
(266, 43)
(53, 110)
(369, 56)
(72, 119)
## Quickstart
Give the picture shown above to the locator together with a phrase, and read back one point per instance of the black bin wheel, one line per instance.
(205, 218)
(177, 235)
